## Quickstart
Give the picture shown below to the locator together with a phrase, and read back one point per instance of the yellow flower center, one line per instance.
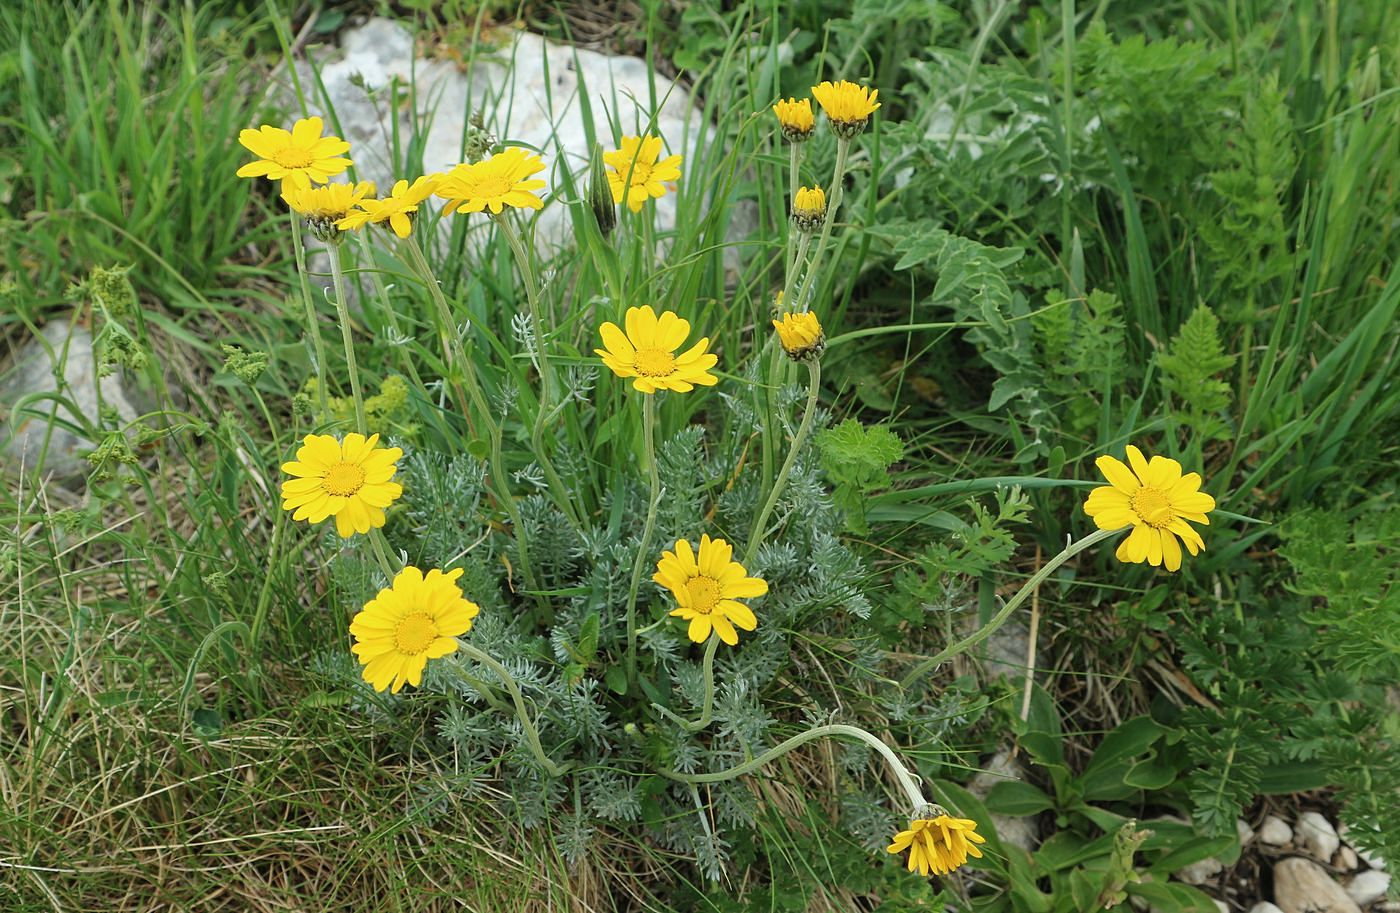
(294, 157)
(492, 185)
(415, 633)
(343, 479)
(1152, 506)
(704, 593)
(640, 171)
(654, 362)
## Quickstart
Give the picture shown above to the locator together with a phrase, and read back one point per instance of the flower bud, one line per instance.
(801, 335)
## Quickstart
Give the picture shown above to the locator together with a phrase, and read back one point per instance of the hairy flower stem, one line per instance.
(453, 354)
(774, 354)
(557, 489)
(794, 165)
(843, 146)
(381, 554)
(497, 463)
(814, 379)
(707, 708)
(312, 326)
(532, 734)
(833, 730)
(342, 310)
(1012, 605)
(644, 548)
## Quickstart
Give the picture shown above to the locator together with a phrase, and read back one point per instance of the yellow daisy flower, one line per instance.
(298, 158)
(495, 183)
(938, 844)
(323, 207)
(395, 209)
(638, 171)
(801, 335)
(809, 208)
(1156, 500)
(647, 352)
(848, 106)
(708, 587)
(416, 619)
(348, 480)
(796, 119)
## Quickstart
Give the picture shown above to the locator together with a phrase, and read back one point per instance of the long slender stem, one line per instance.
(1012, 605)
(497, 462)
(312, 325)
(814, 379)
(707, 706)
(532, 735)
(557, 488)
(834, 730)
(343, 314)
(381, 553)
(843, 146)
(644, 548)
(452, 352)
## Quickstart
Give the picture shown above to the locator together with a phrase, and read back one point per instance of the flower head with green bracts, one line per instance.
(848, 106)
(1157, 501)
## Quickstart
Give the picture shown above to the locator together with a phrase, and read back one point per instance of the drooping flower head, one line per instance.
(848, 106)
(809, 208)
(396, 209)
(637, 171)
(323, 207)
(416, 619)
(796, 119)
(708, 587)
(647, 352)
(350, 480)
(298, 158)
(495, 183)
(938, 843)
(1156, 500)
(801, 335)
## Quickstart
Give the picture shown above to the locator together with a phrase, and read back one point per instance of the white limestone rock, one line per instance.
(527, 90)
(1244, 832)
(1017, 831)
(1198, 873)
(1264, 906)
(1303, 886)
(1317, 836)
(1275, 832)
(1368, 887)
(67, 351)
(1346, 859)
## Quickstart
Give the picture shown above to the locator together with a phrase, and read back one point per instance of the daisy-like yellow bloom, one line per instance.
(938, 843)
(495, 183)
(638, 172)
(416, 619)
(403, 200)
(848, 106)
(801, 335)
(350, 480)
(1156, 500)
(299, 157)
(647, 352)
(809, 208)
(323, 207)
(796, 119)
(708, 587)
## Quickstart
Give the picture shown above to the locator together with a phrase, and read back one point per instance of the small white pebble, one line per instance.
(1264, 906)
(1318, 836)
(1368, 887)
(1275, 832)
(1244, 832)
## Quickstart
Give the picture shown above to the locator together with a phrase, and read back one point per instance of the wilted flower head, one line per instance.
(938, 843)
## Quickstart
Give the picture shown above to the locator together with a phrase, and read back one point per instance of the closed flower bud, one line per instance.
(809, 209)
(600, 196)
(801, 335)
